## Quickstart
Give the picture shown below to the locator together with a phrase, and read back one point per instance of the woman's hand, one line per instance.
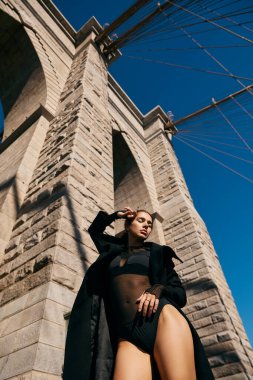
(148, 304)
(127, 212)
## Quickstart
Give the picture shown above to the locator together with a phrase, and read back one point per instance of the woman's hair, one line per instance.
(128, 221)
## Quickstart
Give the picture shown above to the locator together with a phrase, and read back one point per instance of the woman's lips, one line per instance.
(143, 232)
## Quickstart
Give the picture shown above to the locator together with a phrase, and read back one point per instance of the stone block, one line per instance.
(216, 361)
(220, 317)
(209, 340)
(27, 336)
(49, 230)
(63, 276)
(61, 294)
(213, 329)
(227, 349)
(12, 244)
(228, 370)
(200, 323)
(13, 307)
(195, 307)
(38, 216)
(69, 260)
(18, 289)
(212, 310)
(22, 319)
(24, 271)
(32, 241)
(238, 376)
(19, 362)
(44, 259)
(52, 334)
(36, 375)
(213, 300)
(45, 245)
(7, 344)
(55, 312)
(49, 359)
(13, 254)
(37, 295)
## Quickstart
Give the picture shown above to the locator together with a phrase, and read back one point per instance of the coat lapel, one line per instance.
(156, 263)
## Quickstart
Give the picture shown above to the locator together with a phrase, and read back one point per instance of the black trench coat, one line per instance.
(91, 340)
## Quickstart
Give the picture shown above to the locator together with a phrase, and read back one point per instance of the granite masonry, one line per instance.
(74, 144)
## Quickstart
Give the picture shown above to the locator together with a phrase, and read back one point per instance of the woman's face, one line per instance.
(141, 226)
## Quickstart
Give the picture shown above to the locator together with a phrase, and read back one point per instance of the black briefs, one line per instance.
(142, 331)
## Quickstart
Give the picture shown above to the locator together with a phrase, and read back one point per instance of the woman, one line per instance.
(126, 323)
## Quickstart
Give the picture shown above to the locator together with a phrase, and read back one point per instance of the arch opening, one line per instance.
(22, 80)
(129, 186)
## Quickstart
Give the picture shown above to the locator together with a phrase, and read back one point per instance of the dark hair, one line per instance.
(128, 221)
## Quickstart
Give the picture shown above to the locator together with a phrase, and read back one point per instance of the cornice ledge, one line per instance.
(154, 114)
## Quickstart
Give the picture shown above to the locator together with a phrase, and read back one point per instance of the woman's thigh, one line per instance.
(132, 363)
(173, 350)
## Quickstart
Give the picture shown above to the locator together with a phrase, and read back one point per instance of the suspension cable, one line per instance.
(215, 160)
(232, 126)
(218, 150)
(211, 22)
(188, 67)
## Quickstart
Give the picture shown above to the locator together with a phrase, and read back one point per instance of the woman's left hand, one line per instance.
(148, 304)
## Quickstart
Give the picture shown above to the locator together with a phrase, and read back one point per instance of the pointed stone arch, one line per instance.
(32, 31)
(24, 94)
(129, 184)
(22, 80)
(130, 188)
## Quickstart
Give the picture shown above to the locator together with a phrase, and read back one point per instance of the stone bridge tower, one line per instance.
(74, 143)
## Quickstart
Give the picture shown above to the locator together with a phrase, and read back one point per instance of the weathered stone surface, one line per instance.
(55, 312)
(48, 359)
(27, 336)
(53, 334)
(36, 295)
(35, 375)
(19, 362)
(13, 307)
(64, 276)
(22, 319)
(238, 376)
(28, 283)
(228, 370)
(60, 294)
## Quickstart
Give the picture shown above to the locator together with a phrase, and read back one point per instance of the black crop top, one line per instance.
(136, 262)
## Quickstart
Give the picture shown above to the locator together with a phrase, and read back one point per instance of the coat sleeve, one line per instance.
(172, 288)
(97, 228)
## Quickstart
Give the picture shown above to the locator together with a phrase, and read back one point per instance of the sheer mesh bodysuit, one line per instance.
(128, 275)
(129, 278)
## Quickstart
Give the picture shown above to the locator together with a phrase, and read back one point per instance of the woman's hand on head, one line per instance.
(127, 212)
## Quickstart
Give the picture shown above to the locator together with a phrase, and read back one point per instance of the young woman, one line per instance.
(126, 323)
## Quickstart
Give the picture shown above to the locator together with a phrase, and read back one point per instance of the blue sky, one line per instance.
(222, 197)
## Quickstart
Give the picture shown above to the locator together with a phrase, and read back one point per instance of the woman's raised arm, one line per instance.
(97, 228)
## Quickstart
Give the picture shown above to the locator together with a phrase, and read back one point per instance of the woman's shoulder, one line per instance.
(168, 251)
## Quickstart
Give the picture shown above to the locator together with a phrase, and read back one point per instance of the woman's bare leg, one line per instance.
(173, 351)
(132, 363)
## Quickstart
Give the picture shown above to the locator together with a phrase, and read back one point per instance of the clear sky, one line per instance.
(222, 197)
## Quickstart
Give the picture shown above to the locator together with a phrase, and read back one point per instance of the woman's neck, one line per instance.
(133, 243)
